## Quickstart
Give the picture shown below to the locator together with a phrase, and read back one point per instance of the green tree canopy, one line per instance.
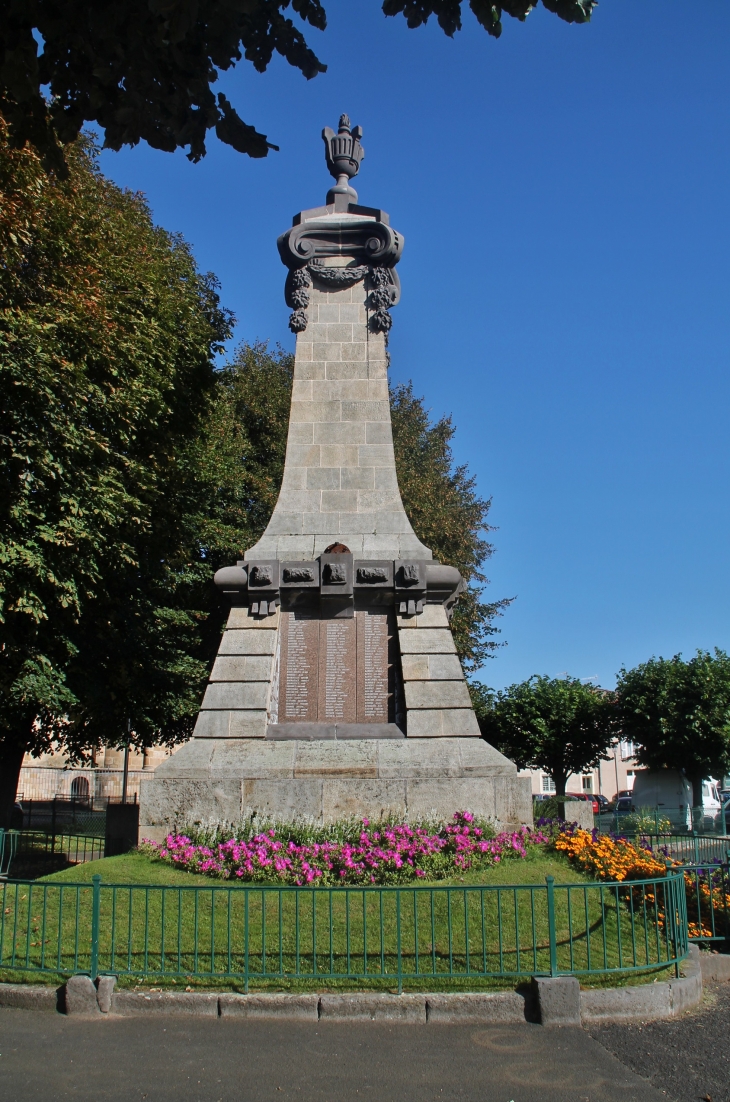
(559, 725)
(144, 70)
(107, 338)
(677, 713)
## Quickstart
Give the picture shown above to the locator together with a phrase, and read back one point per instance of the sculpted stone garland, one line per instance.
(384, 293)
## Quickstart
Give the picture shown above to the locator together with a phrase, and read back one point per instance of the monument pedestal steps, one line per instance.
(337, 689)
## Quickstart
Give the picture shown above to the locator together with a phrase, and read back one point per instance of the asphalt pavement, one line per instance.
(175, 1059)
(689, 1057)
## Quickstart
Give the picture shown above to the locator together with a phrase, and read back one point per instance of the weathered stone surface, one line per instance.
(715, 967)
(80, 997)
(408, 759)
(440, 723)
(433, 616)
(241, 668)
(426, 641)
(236, 694)
(558, 1000)
(105, 992)
(269, 1006)
(502, 1006)
(437, 694)
(248, 641)
(646, 1002)
(577, 811)
(231, 724)
(196, 1003)
(243, 618)
(367, 1006)
(26, 996)
(281, 799)
(326, 779)
(353, 758)
(431, 667)
(344, 797)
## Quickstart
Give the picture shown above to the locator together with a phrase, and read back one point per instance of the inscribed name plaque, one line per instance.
(375, 669)
(336, 670)
(299, 674)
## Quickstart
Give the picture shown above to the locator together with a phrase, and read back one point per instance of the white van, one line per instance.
(670, 792)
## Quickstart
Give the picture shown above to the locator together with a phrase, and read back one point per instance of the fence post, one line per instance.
(53, 826)
(95, 910)
(399, 946)
(550, 882)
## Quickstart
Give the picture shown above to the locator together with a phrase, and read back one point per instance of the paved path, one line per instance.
(51, 1058)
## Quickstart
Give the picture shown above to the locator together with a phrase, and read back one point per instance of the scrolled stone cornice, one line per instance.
(365, 240)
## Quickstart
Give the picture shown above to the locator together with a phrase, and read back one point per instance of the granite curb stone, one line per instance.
(554, 1000)
(502, 1006)
(646, 1002)
(715, 967)
(371, 1006)
(23, 996)
(269, 1006)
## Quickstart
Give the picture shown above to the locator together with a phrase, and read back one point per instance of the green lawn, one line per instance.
(136, 868)
(450, 932)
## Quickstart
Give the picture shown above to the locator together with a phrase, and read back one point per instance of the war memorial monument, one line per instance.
(337, 689)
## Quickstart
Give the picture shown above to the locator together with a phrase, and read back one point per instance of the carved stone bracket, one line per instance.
(384, 292)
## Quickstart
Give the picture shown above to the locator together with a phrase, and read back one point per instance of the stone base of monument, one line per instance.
(226, 780)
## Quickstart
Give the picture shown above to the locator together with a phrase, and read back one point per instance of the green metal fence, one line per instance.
(391, 934)
(658, 820)
(25, 854)
(707, 890)
(691, 849)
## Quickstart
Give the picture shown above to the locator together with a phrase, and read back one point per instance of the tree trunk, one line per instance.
(560, 779)
(11, 759)
(697, 802)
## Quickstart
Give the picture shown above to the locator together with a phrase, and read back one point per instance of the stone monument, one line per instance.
(337, 689)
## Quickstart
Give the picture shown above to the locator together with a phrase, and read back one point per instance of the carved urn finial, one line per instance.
(344, 154)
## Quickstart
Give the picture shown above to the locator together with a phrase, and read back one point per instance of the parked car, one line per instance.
(623, 792)
(624, 805)
(589, 797)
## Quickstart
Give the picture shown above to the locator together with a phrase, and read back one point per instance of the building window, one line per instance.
(587, 783)
(548, 784)
(628, 750)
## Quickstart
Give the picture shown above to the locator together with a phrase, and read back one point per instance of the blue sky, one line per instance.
(563, 193)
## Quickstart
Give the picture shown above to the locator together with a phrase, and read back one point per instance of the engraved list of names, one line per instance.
(299, 675)
(336, 670)
(374, 667)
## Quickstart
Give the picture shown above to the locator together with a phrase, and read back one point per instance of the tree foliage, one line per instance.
(677, 713)
(107, 337)
(559, 725)
(447, 515)
(144, 70)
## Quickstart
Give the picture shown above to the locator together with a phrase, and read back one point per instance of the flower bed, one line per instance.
(380, 853)
(614, 858)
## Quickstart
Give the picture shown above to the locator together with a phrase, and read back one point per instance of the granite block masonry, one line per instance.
(337, 689)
